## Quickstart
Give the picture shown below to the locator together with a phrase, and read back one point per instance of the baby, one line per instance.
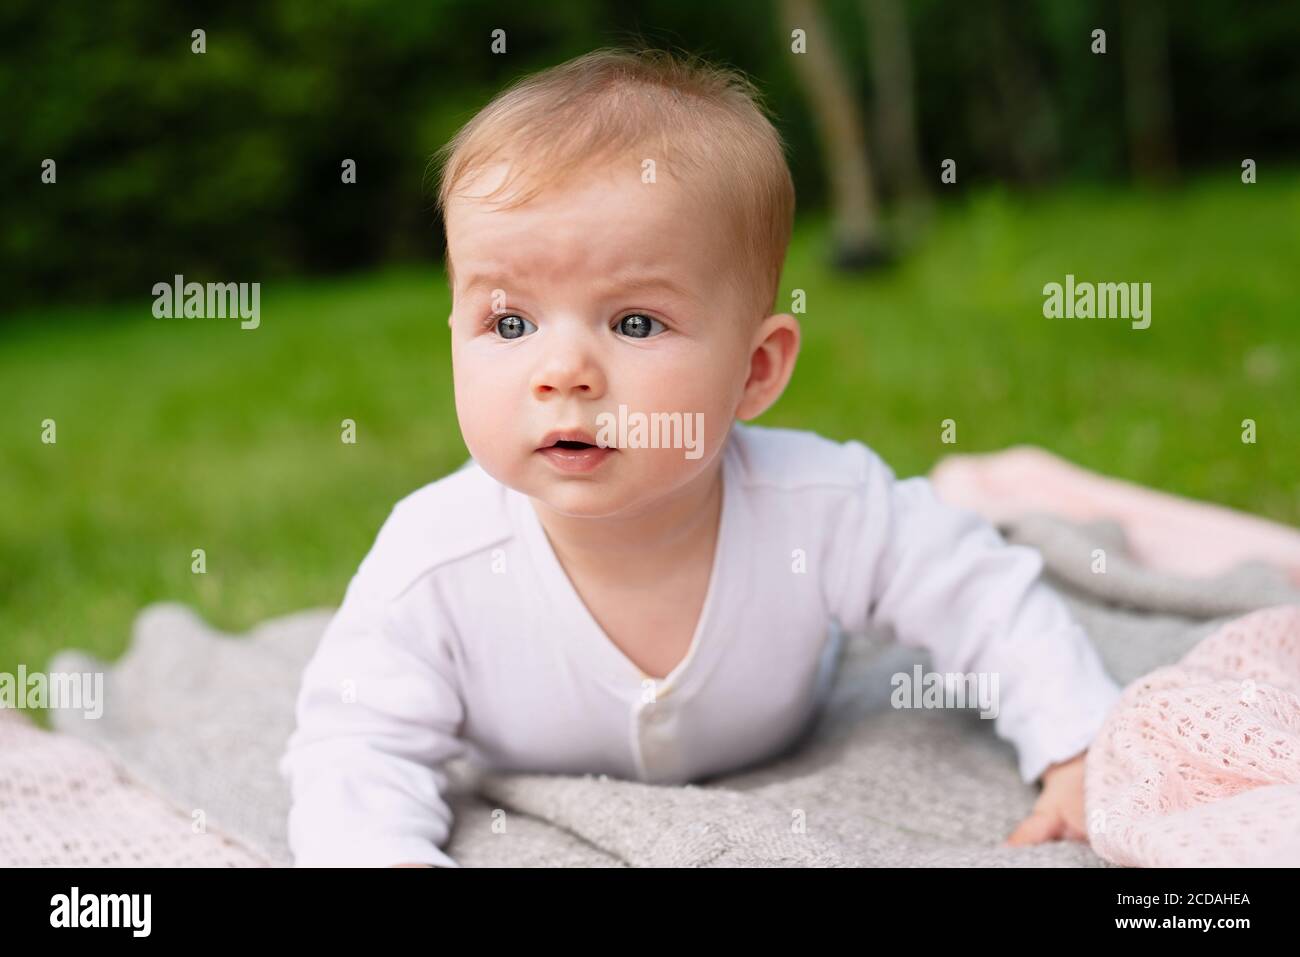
(625, 579)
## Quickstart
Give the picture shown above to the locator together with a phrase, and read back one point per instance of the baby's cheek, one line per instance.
(485, 432)
(481, 422)
(694, 387)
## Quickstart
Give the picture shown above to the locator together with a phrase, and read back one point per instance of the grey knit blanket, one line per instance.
(201, 718)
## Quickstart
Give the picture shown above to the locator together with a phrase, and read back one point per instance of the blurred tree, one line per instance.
(855, 223)
(891, 79)
(226, 165)
(1146, 74)
(1023, 115)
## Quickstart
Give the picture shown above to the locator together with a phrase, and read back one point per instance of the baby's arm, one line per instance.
(378, 714)
(945, 580)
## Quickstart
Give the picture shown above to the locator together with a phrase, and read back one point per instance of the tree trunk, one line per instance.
(854, 216)
(1146, 76)
(891, 78)
(1025, 114)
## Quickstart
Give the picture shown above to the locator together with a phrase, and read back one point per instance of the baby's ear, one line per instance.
(771, 364)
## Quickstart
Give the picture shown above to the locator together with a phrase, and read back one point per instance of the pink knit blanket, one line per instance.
(64, 803)
(1165, 532)
(1199, 762)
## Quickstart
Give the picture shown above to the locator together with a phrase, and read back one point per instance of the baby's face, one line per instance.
(600, 293)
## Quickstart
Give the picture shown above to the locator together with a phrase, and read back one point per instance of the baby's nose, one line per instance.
(568, 371)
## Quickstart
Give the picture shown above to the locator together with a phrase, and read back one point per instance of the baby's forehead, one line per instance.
(606, 190)
(594, 230)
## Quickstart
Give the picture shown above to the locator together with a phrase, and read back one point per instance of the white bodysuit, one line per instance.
(461, 636)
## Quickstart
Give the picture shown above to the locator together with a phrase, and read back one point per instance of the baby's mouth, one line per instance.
(575, 453)
(570, 439)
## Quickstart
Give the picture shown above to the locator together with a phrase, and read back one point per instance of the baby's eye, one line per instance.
(639, 326)
(513, 327)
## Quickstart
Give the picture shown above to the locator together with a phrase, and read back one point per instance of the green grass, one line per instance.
(183, 434)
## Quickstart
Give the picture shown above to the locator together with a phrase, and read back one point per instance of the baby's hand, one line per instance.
(1058, 812)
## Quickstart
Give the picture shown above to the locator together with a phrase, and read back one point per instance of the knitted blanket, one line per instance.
(1198, 764)
(181, 767)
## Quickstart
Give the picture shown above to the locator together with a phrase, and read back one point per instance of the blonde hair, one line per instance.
(707, 125)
